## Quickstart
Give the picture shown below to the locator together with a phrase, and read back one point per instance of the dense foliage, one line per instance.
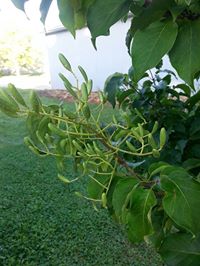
(144, 164)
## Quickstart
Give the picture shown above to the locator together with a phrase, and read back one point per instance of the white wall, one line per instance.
(111, 55)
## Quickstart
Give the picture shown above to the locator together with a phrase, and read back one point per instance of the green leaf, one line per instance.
(7, 109)
(181, 249)
(191, 164)
(195, 126)
(121, 195)
(186, 89)
(152, 13)
(96, 188)
(16, 95)
(66, 14)
(182, 199)
(10, 100)
(112, 86)
(147, 54)
(44, 8)
(103, 14)
(194, 99)
(188, 39)
(83, 73)
(65, 62)
(32, 123)
(35, 102)
(86, 111)
(43, 127)
(138, 217)
(183, 2)
(157, 168)
(19, 4)
(73, 13)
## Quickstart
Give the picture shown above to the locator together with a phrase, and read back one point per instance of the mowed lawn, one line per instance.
(42, 221)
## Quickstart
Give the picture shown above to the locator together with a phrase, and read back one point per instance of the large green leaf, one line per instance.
(184, 54)
(19, 3)
(121, 194)
(96, 188)
(151, 44)
(66, 14)
(150, 14)
(44, 8)
(103, 14)
(112, 86)
(182, 199)
(73, 13)
(191, 163)
(138, 216)
(181, 250)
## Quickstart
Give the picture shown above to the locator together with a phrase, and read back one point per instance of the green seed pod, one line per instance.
(83, 73)
(89, 149)
(89, 86)
(121, 134)
(136, 135)
(39, 137)
(114, 119)
(48, 138)
(151, 141)
(86, 111)
(84, 92)
(84, 164)
(54, 129)
(163, 137)
(65, 62)
(78, 194)
(140, 115)
(43, 126)
(34, 150)
(79, 148)
(96, 148)
(16, 95)
(130, 146)
(155, 127)
(104, 200)
(63, 179)
(28, 141)
(141, 130)
(104, 167)
(155, 153)
(63, 143)
(35, 102)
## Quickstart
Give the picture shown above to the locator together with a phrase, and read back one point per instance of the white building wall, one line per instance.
(111, 55)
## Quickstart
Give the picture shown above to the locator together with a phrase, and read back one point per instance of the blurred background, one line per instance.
(23, 52)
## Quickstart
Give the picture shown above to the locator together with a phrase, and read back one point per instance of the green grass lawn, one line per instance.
(42, 221)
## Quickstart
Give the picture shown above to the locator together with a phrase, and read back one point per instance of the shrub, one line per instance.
(143, 166)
